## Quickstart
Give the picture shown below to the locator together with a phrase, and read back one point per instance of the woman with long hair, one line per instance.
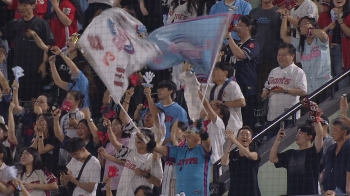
(28, 118)
(243, 164)
(313, 46)
(85, 129)
(65, 15)
(34, 176)
(46, 143)
(336, 23)
(246, 55)
(106, 154)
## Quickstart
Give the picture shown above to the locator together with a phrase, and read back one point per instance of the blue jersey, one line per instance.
(192, 169)
(243, 8)
(82, 85)
(173, 112)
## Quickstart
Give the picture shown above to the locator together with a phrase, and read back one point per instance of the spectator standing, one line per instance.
(336, 162)
(246, 54)
(64, 20)
(105, 155)
(27, 54)
(313, 46)
(336, 23)
(173, 111)
(46, 143)
(267, 33)
(244, 164)
(240, 7)
(284, 86)
(140, 166)
(80, 81)
(303, 8)
(226, 92)
(195, 156)
(90, 177)
(303, 164)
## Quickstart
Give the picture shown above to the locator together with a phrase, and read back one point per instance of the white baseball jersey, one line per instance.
(129, 181)
(289, 77)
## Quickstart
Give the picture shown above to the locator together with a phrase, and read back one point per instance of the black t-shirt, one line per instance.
(268, 33)
(247, 69)
(302, 170)
(27, 54)
(50, 159)
(336, 167)
(243, 175)
(6, 15)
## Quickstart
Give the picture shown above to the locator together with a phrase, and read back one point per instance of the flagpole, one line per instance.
(132, 122)
(225, 31)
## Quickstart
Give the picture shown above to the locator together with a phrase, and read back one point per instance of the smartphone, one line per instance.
(65, 171)
(282, 125)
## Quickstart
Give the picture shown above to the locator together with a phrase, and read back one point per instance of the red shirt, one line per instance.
(323, 21)
(60, 32)
(39, 11)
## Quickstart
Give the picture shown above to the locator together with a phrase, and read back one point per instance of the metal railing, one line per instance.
(288, 113)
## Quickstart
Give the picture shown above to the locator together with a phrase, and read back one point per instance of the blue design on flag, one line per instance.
(123, 36)
(196, 41)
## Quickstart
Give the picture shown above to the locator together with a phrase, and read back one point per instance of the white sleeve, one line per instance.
(234, 91)
(95, 170)
(157, 170)
(300, 80)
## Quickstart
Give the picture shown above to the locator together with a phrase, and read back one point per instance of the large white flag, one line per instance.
(114, 50)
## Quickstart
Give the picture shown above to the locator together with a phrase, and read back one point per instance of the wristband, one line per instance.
(341, 23)
(126, 102)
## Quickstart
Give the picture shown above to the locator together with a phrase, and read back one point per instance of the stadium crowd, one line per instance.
(66, 136)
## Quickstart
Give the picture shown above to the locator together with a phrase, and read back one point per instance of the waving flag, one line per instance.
(114, 50)
(196, 41)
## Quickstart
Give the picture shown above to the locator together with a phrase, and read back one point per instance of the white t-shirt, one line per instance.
(38, 177)
(91, 173)
(129, 181)
(307, 8)
(231, 92)
(316, 62)
(289, 77)
(216, 133)
(4, 176)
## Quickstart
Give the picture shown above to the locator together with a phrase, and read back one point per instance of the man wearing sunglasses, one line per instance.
(194, 157)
